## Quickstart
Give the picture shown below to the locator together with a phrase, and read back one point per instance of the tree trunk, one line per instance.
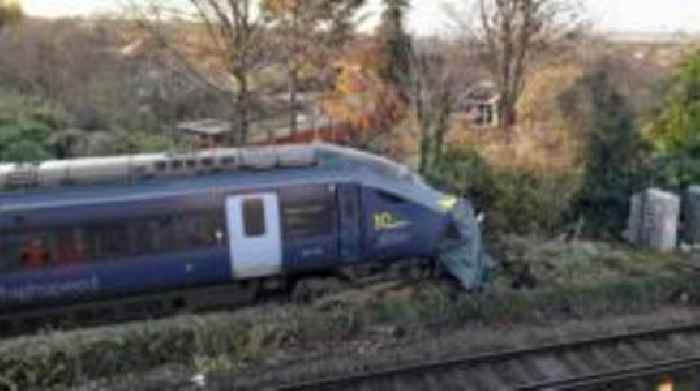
(242, 112)
(426, 141)
(293, 91)
(443, 126)
(425, 144)
(507, 115)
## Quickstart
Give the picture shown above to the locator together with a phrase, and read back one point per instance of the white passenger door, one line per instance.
(255, 238)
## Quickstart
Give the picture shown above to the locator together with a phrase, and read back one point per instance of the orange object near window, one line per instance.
(35, 255)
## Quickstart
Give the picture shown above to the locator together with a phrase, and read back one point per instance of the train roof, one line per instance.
(329, 163)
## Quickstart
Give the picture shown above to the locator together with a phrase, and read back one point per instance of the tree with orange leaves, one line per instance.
(362, 100)
(306, 34)
(372, 91)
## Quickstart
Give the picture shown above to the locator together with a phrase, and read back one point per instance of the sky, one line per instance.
(429, 16)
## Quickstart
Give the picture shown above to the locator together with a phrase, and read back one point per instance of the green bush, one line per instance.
(677, 126)
(514, 202)
(615, 155)
(678, 170)
(25, 141)
(33, 130)
(674, 129)
(26, 127)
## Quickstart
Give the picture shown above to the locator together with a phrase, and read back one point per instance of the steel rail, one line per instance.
(495, 357)
(617, 376)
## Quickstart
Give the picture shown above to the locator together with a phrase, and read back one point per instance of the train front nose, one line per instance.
(462, 253)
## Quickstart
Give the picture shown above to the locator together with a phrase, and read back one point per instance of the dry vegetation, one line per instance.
(579, 281)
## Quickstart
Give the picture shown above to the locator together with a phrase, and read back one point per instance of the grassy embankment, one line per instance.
(572, 282)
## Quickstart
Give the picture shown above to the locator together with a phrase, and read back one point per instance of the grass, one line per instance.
(572, 286)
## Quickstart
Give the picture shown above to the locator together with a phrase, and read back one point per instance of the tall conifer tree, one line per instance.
(396, 43)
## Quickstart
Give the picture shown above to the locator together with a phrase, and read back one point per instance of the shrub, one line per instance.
(514, 201)
(678, 124)
(26, 126)
(678, 170)
(615, 154)
(24, 141)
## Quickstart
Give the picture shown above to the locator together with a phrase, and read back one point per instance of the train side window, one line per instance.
(254, 217)
(162, 229)
(307, 219)
(215, 228)
(180, 233)
(391, 198)
(71, 247)
(201, 231)
(11, 250)
(115, 241)
(142, 240)
(35, 251)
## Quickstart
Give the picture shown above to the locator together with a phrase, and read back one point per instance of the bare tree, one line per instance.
(306, 35)
(508, 34)
(438, 76)
(219, 41)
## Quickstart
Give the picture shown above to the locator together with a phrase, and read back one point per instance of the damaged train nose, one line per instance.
(462, 252)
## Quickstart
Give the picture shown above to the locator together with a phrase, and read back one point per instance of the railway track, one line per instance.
(620, 362)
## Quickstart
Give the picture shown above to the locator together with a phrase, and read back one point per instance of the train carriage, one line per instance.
(257, 215)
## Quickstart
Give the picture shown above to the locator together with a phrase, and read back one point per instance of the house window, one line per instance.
(254, 217)
(484, 115)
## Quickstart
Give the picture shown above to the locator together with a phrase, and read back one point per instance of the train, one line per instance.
(87, 230)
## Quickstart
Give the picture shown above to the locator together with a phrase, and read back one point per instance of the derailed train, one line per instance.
(159, 224)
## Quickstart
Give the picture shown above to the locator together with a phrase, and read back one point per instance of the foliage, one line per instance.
(361, 100)
(370, 94)
(677, 128)
(24, 142)
(433, 85)
(307, 33)
(26, 126)
(10, 12)
(514, 201)
(34, 130)
(616, 156)
(396, 44)
(678, 170)
(533, 262)
(539, 102)
(219, 43)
